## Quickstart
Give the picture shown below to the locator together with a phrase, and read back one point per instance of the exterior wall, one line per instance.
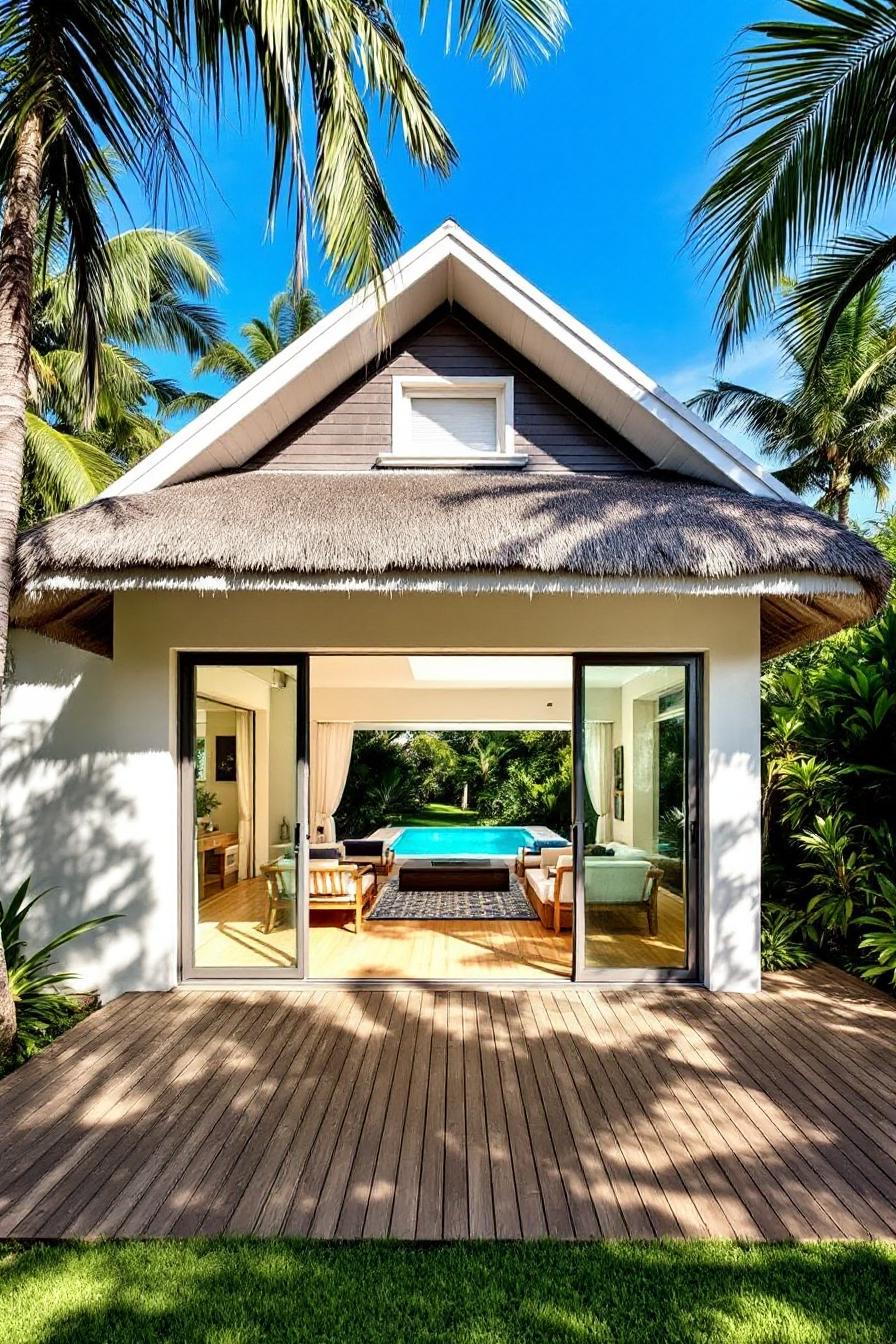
(88, 766)
(350, 428)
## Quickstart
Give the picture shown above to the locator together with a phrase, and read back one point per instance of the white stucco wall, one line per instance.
(88, 746)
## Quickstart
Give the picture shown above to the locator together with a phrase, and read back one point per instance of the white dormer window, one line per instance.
(451, 422)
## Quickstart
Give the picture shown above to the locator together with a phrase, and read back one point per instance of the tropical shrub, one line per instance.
(829, 765)
(43, 1010)
(510, 778)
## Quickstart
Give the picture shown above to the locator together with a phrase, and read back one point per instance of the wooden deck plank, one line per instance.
(799, 1156)
(734, 1142)
(85, 1211)
(642, 1174)
(321, 1039)
(499, 1173)
(34, 1170)
(185, 1205)
(480, 1201)
(290, 1195)
(235, 1167)
(525, 1175)
(378, 1214)
(550, 1178)
(432, 1114)
(622, 1212)
(835, 1148)
(418, 1166)
(455, 1211)
(690, 1155)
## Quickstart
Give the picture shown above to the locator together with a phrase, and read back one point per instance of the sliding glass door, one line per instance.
(242, 752)
(637, 811)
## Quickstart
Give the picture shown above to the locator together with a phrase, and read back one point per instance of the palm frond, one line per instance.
(816, 100)
(68, 470)
(227, 360)
(509, 34)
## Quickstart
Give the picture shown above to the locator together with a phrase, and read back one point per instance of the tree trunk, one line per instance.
(843, 507)
(17, 241)
(7, 1008)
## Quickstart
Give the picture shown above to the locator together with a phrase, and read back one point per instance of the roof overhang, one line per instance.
(449, 266)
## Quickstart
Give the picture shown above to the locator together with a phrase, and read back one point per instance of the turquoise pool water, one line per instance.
(431, 841)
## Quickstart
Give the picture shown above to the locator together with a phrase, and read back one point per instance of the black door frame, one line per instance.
(187, 664)
(692, 972)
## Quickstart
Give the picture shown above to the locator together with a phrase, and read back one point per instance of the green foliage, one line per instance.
(810, 105)
(206, 801)
(42, 1011)
(75, 446)
(829, 766)
(782, 945)
(834, 427)
(512, 778)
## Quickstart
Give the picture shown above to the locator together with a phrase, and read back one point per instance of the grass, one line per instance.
(240, 1292)
(439, 814)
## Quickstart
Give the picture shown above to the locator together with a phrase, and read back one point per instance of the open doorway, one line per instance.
(440, 817)
(242, 809)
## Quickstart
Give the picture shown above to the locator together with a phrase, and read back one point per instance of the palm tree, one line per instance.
(814, 97)
(291, 313)
(836, 426)
(93, 80)
(87, 80)
(153, 279)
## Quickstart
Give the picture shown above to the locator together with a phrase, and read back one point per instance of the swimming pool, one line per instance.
(462, 841)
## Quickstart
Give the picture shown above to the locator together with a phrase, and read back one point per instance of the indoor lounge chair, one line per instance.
(611, 883)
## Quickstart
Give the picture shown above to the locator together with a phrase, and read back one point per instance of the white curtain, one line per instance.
(244, 791)
(599, 776)
(331, 754)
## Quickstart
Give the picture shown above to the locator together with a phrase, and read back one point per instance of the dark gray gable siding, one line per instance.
(350, 428)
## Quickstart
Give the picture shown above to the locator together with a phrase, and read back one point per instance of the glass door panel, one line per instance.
(242, 786)
(636, 813)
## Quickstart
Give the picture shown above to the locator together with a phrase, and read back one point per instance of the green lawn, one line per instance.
(439, 814)
(253, 1292)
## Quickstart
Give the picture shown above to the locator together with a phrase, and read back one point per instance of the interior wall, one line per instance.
(282, 764)
(88, 786)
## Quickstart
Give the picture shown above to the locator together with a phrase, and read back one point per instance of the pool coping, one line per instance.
(389, 834)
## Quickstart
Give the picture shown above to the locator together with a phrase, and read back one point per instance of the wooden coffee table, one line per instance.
(453, 875)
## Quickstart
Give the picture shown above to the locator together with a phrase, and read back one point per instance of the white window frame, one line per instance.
(407, 387)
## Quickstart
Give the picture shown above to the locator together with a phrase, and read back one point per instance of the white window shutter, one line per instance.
(452, 426)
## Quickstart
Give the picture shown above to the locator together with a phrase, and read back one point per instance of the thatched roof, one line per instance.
(400, 529)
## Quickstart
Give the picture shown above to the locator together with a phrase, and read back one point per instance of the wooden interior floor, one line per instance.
(230, 933)
(428, 1115)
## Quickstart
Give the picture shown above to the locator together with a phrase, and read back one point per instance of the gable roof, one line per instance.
(449, 266)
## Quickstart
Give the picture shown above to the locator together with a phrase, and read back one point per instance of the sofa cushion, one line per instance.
(364, 849)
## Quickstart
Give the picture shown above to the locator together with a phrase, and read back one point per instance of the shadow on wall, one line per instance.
(68, 819)
(732, 867)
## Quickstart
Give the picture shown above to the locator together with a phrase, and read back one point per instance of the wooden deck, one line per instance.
(435, 1115)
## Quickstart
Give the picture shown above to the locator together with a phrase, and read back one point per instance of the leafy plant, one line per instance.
(881, 941)
(829, 776)
(206, 802)
(781, 940)
(42, 1010)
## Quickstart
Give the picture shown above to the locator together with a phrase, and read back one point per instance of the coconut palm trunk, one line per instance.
(17, 241)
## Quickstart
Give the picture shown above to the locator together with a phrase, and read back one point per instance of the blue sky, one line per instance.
(584, 181)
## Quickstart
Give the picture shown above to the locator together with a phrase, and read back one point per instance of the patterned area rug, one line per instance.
(395, 904)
